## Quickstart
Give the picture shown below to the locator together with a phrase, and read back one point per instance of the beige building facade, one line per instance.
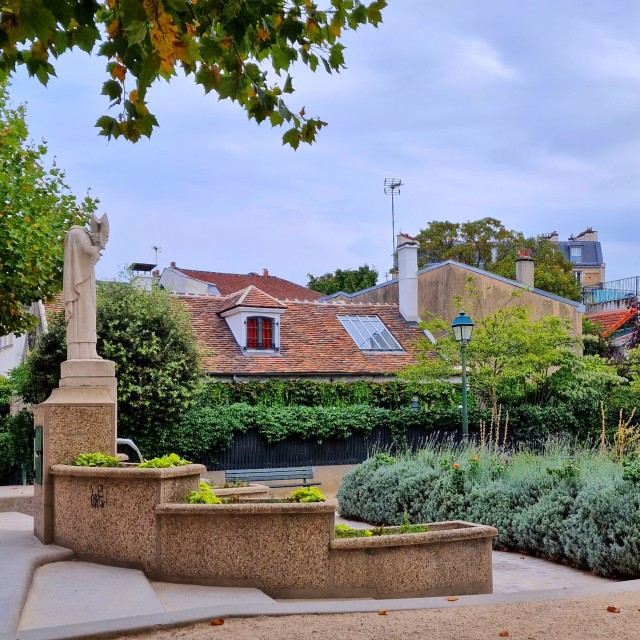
(438, 284)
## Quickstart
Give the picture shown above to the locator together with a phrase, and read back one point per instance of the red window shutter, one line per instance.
(267, 333)
(252, 333)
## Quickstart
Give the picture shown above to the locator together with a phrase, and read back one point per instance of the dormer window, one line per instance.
(260, 333)
(575, 254)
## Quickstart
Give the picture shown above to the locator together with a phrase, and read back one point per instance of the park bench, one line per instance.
(297, 476)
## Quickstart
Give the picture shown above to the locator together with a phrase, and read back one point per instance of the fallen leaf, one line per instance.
(504, 634)
(612, 609)
(452, 598)
(521, 557)
(217, 622)
(382, 612)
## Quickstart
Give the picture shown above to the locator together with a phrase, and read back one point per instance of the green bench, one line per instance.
(265, 476)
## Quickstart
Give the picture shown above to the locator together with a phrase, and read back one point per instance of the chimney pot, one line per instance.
(173, 264)
(265, 272)
(408, 278)
(525, 268)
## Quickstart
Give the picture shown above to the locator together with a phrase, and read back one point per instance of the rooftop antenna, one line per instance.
(392, 188)
(156, 250)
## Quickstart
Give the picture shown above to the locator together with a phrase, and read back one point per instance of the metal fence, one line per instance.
(612, 290)
(250, 450)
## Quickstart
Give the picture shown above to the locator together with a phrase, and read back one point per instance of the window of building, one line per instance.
(369, 333)
(575, 254)
(260, 333)
(578, 275)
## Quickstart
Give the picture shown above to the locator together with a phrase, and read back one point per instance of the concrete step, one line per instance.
(67, 593)
(21, 553)
(72, 593)
(178, 597)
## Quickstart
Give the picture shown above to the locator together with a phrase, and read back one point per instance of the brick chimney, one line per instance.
(173, 264)
(408, 278)
(525, 267)
(265, 273)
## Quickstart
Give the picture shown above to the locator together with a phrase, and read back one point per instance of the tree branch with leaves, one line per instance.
(225, 45)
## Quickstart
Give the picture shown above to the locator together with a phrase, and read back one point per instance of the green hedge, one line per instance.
(16, 444)
(573, 507)
(393, 394)
(210, 428)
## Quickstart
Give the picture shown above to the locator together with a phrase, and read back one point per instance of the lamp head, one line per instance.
(462, 327)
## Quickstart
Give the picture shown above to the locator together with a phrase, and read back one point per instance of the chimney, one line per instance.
(265, 273)
(173, 264)
(408, 278)
(525, 268)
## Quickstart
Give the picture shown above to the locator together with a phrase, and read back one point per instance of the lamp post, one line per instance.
(462, 328)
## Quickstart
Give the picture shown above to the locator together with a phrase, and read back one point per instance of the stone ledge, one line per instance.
(129, 473)
(244, 508)
(440, 532)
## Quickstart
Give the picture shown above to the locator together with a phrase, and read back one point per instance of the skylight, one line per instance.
(369, 333)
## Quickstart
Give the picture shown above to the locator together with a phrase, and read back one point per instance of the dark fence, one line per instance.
(250, 450)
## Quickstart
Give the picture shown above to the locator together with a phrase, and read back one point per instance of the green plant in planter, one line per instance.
(96, 459)
(307, 494)
(404, 527)
(345, 531)
(204, 495)
(171, 460)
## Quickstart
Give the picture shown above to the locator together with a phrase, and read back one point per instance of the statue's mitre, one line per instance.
(100, 226)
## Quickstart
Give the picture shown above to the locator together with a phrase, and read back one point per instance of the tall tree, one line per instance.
(486, 243)
(223, 45)
(147, 335)
(509, 353)
(36, 209)
(347, 280)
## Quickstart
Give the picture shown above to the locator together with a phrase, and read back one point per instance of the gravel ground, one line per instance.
(573, 619)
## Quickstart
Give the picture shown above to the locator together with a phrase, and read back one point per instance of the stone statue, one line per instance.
(81, 252)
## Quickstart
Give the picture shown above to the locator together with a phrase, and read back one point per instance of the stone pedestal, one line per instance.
(79, 417)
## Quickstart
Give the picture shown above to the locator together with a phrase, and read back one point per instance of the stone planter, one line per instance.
(452, 558)
(137, 518)
(108, 514)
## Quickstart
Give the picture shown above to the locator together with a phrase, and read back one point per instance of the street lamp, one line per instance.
(462, 328)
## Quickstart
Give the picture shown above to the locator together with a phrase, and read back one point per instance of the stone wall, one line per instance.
(137, 518)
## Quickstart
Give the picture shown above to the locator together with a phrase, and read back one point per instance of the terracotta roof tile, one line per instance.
(612, 320)
(228, 283)
(53, 307)
(252, 297)
(312, 341)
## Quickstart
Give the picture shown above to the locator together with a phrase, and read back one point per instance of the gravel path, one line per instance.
(574, 619)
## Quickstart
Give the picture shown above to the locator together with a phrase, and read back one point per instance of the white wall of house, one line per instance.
(177, 282)
(11, 349)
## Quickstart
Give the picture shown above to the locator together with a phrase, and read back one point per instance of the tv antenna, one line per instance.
(392, 188)
(156, 251)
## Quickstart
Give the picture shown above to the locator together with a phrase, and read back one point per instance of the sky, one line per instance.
(526, 112)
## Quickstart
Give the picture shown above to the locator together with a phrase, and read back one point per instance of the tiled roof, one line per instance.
(610, 321)
(228, 283)
(591, 252)
(252, 297)
(312, 341)
(53, 307)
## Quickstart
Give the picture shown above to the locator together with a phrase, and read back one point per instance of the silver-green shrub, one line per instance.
(566, 504)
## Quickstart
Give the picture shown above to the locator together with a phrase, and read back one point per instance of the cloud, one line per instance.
(609, 55)
(472, 63)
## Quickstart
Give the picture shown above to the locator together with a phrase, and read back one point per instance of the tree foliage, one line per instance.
(147, 335)
(348, 280)
(509, 352)
(487, 244)
(224, 45)
(36, 209)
